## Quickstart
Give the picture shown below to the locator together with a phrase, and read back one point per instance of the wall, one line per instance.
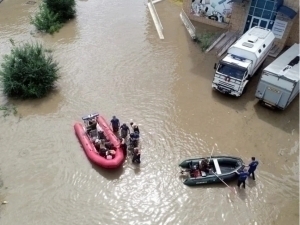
(293, 36)
(187, 7)
(239, 16)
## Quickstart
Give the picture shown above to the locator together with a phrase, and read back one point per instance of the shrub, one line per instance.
(46, 20)
(28, 71)
(52, 14)
(64, 8)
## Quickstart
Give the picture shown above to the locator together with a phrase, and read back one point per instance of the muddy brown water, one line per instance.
(113, 62)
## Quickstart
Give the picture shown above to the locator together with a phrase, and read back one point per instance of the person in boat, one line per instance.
(136, 156)
(135, 127)
(124, 130)
(243, 175)
(109, 145)
(97, 144)
(204, 166)
(100, 132)
(252, 167)
(193, 169)
(106, 153)
(115, 124)
(92, 125)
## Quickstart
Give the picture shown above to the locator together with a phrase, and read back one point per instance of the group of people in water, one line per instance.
(105, 148)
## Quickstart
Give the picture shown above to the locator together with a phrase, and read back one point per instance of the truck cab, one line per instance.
(232, 75)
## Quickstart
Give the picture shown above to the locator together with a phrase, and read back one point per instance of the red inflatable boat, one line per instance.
(90, 149)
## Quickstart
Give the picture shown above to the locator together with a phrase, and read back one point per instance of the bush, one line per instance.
(64, 8)
(28, 72)
(46, 20)
(52, 14)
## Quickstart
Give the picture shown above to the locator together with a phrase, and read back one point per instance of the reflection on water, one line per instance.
(113, 62)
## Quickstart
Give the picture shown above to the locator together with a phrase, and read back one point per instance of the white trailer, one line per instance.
(279, 83)
(242, 60)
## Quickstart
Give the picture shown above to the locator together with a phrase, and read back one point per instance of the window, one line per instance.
(261, 4)
(253, 3)
(264, 11)
(269, 5)
(258, 12)
(273, 16)
(270, 26)
(251, 10)
(263, 23)
(235, 72)
(266, 14)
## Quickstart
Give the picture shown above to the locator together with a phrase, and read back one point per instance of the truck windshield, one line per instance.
(232, 71)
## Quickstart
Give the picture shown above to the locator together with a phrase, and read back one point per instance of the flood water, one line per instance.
(113, 62)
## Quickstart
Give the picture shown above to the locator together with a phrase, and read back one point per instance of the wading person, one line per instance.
(252, 167)
(124, 130)
(136, 156)
(115, 123)
(123, 146)
(243, 175)
(135, 128)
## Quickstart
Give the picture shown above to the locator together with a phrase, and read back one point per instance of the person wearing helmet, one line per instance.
(124, 130)
(115, 123)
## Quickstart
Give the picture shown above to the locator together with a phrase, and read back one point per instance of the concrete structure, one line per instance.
(281, 16)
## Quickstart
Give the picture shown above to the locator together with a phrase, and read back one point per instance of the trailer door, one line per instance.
(273, 95)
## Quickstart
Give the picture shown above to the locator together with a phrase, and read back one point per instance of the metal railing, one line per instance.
(188, 24)
(156, 19)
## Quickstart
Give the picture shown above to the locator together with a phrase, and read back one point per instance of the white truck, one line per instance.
(279, 83)
(242, 60)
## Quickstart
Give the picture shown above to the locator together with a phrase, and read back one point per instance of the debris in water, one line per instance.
(30, 2)
(4, 202)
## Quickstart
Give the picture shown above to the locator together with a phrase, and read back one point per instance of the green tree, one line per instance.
(64, 8)
(46, 20)
(52, 14)
(29, 71)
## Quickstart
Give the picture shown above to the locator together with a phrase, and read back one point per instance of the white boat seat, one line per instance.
(218, 170)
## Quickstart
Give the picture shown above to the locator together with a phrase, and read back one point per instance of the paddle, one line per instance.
(211, 155)
(232, 189)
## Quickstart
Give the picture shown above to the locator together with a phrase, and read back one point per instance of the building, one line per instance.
(281, 16)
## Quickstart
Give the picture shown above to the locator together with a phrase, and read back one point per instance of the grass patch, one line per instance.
(29, 71)
(205, 40)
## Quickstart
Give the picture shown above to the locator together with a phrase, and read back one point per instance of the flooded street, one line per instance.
(113, 62)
